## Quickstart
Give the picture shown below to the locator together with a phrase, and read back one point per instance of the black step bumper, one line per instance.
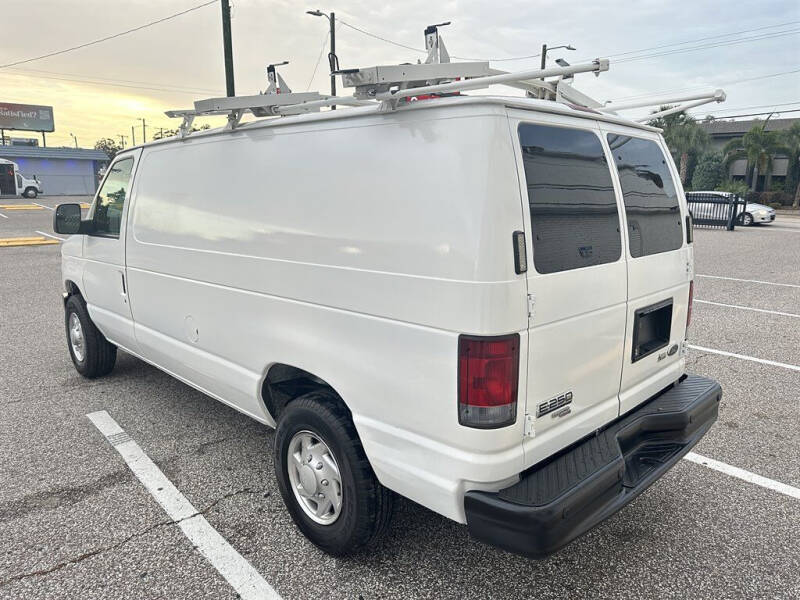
(563, 497)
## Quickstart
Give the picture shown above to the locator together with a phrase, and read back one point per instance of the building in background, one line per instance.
(722, 132)
(62, 171)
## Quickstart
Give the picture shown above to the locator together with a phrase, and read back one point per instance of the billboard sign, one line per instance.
(28, 117)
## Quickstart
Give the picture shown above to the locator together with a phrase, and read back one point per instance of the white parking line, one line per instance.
(763, 361)
(43, 206)
(239, 573)
(4, 216)
(761, 310)
(791, 285)
(55, 237)
(722, 467)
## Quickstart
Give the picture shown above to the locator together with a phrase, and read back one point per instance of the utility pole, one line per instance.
(228, 47)
(133, 136)
(72, 135)
(144, 133)
(44, 140)
(122, 139)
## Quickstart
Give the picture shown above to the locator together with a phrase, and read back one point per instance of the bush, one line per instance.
(709, 172)
(773, 199)
(777, 186)
(734, 187)
(775, 205)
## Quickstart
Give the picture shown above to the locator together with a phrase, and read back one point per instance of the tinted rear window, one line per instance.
(651, 200)
(573, 209)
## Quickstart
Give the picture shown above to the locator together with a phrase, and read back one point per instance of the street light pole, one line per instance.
(227, 45)
(122, 140)
(333, 61)
(144, 133)
(545, 50)
(72, 135)
(133, 135)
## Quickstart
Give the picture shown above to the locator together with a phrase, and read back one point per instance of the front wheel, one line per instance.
(30, 193)
(92, 354)
(747, 219)
(325, 478)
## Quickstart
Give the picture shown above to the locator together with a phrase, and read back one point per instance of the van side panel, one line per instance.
(357, 251)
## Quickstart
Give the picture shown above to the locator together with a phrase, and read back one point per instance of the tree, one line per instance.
(790, 140)
(709, 172)
(758, 147)
(165, 133)
(108, 146)
(684, 137)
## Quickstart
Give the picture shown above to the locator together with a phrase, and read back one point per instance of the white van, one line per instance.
(479, 303)
(14, 183)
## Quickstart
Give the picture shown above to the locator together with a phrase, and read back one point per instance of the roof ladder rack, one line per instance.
(683, 103)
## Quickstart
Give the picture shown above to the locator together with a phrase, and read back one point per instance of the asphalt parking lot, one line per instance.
(76, 523)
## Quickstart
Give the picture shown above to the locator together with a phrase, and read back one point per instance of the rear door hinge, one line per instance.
(529, 425)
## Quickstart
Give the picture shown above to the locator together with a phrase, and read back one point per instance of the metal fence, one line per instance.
(720, 211)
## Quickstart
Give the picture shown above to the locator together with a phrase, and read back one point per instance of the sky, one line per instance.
(105, 89)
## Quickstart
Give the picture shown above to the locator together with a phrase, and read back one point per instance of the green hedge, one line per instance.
(770, 198)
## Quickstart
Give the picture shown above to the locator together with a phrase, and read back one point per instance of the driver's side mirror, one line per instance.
(67, 220)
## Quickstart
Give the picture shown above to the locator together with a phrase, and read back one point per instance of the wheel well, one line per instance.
(285, 383)
(72, 288)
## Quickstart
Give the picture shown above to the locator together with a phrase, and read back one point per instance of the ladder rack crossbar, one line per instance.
(715, 96)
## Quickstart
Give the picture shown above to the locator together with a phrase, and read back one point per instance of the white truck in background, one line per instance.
(14, 183)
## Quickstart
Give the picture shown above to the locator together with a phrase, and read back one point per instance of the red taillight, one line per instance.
(691, 301)
(488, 372)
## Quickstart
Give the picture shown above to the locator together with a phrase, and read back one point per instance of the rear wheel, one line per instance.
(92, 354)
(325, 478)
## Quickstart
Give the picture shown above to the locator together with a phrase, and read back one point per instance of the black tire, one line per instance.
(366, 505)
(30, 193)
(99, 355)
(747, 219)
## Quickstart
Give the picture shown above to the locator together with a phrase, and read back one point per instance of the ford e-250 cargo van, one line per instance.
(478, 303)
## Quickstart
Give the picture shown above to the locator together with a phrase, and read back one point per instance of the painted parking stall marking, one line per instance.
(43, 206)
(791, 285)
(239, 573)
(27, 241)
(50, 235)
(21, 206)
(763, 361)
(760, 310)
(764, 482)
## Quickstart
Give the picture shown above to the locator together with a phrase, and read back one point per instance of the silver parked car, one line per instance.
(752, 213)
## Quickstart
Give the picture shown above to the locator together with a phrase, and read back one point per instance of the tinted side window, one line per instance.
(651, 200)
(110, 203)
(573, 208)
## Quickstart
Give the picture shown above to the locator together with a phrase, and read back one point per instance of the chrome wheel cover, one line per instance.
(76, 339)
(314, 477)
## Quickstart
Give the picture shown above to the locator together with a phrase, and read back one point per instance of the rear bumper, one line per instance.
(563, 497)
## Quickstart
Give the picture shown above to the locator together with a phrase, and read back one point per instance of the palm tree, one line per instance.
(758, 147)
(683, 136)
(791, 143)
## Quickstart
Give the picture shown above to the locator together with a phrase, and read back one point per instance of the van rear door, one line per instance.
(659, 262)
(576, 280)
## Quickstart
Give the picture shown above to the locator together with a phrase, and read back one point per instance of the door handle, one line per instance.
(124, 292)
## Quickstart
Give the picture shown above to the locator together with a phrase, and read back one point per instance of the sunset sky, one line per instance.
(102, 90)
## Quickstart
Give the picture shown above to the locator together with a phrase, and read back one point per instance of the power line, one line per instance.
(106, 80)
(726, 84)
(712, 45)
(774, 112)
(702, 39)
(122, 85)
(756, 106)
(110, 37)
(319, 58)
